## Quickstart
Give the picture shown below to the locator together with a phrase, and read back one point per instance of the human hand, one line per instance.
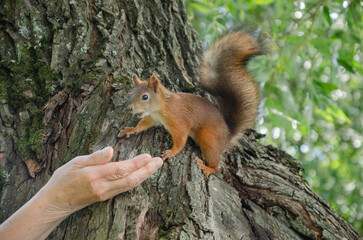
(91, 178)
(78, 183)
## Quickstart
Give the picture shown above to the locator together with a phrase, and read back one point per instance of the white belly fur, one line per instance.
(158, 120)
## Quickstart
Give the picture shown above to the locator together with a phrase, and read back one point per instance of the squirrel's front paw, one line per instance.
(167, 154)
(127, 131)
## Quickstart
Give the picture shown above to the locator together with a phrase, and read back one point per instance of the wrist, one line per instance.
(34, 220)
(48, 202)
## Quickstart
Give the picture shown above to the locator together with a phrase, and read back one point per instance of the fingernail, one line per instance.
(158, 162)
(105, 151)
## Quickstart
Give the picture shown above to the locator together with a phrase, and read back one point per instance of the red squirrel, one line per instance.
(224, 75)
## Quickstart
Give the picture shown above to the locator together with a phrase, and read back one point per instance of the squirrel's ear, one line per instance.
(136, 80)
(153, 83)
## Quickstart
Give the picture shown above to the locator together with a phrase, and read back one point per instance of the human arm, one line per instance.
(75, 185)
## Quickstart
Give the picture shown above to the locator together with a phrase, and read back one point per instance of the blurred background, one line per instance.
(311, 86)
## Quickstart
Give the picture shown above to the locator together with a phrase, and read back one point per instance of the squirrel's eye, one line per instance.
(145, 97)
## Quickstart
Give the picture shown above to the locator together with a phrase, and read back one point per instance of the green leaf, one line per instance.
(324, 87)
(338, 34)
(291, 38)
(325, 115)
(322, 44)
(263, 2)
(336, 112)
(357, 66)
(345, 64)
(200, 7)
(326, 15)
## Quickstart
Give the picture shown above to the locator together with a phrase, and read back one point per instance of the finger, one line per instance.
(135, 178)
(117, 170)
(97, 158)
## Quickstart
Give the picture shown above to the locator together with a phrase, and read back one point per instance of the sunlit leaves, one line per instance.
(262, 2)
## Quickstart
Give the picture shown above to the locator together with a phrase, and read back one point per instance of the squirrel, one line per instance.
(223, 73)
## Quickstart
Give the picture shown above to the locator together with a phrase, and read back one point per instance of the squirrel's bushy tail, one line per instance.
(224, 75)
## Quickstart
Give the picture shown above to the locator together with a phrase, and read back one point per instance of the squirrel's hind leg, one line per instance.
(206, 170)
(212, 148)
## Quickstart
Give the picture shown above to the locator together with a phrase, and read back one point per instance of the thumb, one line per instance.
(97, 158)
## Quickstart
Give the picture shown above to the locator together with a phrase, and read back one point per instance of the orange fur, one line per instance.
(183, 114)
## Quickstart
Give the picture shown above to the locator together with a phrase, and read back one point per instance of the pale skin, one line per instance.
(77, 184)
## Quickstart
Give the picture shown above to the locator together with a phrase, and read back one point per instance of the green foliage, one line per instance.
(26, 85)
(311, 85)
(30, 143)
(82, 72)
(3, 179)
(162, 232)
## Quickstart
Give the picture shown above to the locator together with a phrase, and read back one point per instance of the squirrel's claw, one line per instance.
(128, 131)
(167, 154)
(202, 167)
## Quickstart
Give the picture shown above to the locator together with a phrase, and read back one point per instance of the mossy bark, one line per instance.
(79, 57)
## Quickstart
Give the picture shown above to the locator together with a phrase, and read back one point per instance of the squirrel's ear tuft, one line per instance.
(153, 83)
(136, 80)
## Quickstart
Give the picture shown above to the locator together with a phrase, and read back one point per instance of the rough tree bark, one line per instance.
(65, 79)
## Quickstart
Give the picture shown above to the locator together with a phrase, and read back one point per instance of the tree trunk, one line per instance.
(65, 73)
